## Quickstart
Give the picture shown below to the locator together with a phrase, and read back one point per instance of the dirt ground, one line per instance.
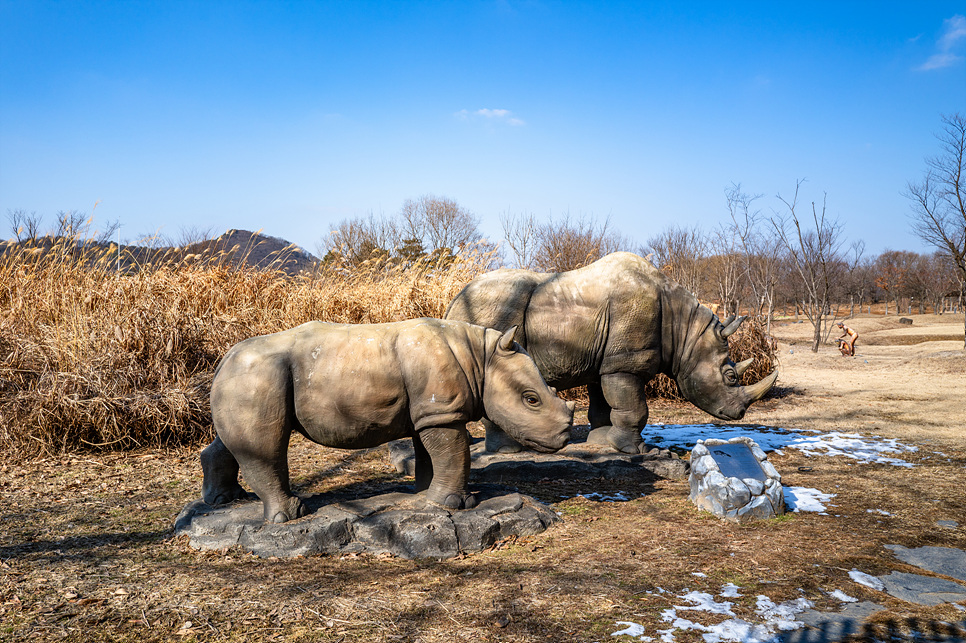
(87, 553)
(905, 381)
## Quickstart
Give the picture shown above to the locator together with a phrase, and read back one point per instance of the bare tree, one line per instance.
(520, 233)
(814, 253)
(25, 226)
(856, 283)
(438, 222)
(70, 224)
(724, 268)
(760, 250)
(353, 241)
(679, 253)
(191, 235)
(572, 243)
(894, 270)
(939, 200)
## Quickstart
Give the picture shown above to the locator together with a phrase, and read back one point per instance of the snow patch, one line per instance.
(842, 596)
(867, 449)
(773, 618)
(617, 496)
(806, 499)
(865, 579)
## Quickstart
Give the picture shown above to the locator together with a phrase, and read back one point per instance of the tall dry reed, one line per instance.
(101, 352)
(92, 357)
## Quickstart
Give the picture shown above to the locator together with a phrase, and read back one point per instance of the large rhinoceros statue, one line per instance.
(357, 386)
(612, 325)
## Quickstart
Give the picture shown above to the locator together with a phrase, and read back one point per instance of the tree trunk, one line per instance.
(816, 319)
(768, 318)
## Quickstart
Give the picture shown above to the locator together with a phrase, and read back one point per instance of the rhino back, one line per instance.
(361, 385)
(497, 299)
(602, 318)
(348, 390)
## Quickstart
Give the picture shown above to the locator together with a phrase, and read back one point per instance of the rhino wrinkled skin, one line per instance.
(358, 386)
(613, 325)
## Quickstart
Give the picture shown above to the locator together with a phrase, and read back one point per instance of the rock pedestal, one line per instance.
(734, 480)
(578, 460)
(399, 523)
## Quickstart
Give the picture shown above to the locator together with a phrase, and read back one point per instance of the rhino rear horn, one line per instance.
(731, 325)
(506, 339)
(742, 366)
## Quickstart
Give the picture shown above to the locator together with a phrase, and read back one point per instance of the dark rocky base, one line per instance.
(400, 523)
(578, 460)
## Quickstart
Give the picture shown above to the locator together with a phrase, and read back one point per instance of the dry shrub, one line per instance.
(749, 340)
(95, 358)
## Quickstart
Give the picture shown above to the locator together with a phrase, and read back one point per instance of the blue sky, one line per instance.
(291, 116)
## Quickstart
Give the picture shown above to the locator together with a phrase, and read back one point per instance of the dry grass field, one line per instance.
(87, 551)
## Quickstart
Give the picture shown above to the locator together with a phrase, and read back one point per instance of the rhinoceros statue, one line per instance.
(612, 325)
(356, 386)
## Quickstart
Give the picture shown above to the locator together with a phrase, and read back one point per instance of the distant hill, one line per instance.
(257, 250)
(235, 247)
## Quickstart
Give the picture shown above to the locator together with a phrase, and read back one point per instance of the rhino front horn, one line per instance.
(757, 391)
(731, 325)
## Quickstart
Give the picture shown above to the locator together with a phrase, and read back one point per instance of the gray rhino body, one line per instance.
(358, 386)
(613, 325)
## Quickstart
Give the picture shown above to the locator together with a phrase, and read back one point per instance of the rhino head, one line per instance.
(516, 397)
(708, 377)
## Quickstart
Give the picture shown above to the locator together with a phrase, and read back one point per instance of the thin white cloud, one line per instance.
(939, 61)
(491, 115)
(954, 31)
(953, 37)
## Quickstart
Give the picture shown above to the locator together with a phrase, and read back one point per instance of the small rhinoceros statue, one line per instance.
(357, 386)
(612, 325)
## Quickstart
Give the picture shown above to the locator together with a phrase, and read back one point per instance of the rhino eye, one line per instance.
(731, 377)
(531, 399)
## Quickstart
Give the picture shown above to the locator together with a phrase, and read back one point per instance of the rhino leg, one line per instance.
(498, 441)
(424, 465)
(624, 393)
(220, 468)
(448, 470)
(598, 412)
(257, 433)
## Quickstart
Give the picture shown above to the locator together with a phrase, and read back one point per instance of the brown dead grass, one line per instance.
(87, 552)
(91, 358)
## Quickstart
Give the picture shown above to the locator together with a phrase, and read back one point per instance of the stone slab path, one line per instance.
(919, 589)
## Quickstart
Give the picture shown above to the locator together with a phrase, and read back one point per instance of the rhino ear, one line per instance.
(506, 340)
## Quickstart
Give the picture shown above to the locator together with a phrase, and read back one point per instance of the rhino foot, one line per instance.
(618, 439)
(224, 495)
(454, 501)
(291, 509)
